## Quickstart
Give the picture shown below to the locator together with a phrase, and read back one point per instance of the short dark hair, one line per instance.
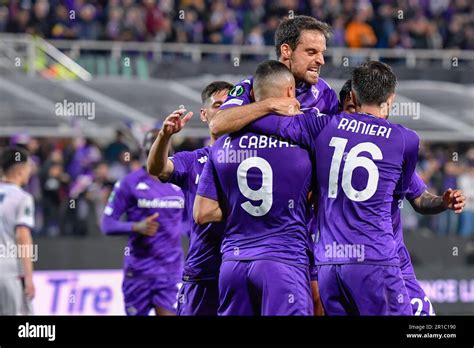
(12, 156)
(289, 31)
(345, 91)
(266, 69)
(270, 67)
(373, 82)
(213, 88)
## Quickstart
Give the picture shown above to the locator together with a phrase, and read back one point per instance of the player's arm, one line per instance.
(24, 225)
(111, 223)
(233, 119)
(158, 163)
(428, 203)
(302, 129)
(317, 304)
(206, 207)
(24, 239)
(206, 210)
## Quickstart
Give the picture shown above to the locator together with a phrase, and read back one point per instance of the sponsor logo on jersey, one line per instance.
(170, 203)
(202, 159)
(233, 102)
(142, 186)
(315, 92)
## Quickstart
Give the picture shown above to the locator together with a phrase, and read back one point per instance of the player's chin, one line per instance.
(311, 78)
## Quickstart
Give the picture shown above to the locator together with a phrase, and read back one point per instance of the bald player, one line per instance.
(16, 223)
(265, 248)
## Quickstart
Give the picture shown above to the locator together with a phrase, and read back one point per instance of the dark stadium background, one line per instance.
(136, 61)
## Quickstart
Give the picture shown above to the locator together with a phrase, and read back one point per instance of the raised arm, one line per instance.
(233, 119)
(158, 163)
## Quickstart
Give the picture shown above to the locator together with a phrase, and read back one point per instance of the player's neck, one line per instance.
(11, 180)
(372, 110)
(212, 139)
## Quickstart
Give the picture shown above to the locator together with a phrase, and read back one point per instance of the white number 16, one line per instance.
(353, 161)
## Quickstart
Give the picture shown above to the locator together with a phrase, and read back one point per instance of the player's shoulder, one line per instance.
(410, 138)
(16, 191)
(241, 87)
(130, 178)
(406, 132)
(323, 86)
(23, 194)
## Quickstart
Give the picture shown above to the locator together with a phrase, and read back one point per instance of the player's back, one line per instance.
(203, 259)
(15, 209)
(264, 183)
(361, 162)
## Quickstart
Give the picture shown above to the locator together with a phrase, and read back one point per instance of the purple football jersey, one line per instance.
(264, 199)
(361, 162)
(416, 188)
(138, 195)
(319, 97)
(203, 259)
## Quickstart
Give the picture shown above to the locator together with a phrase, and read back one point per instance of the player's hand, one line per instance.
(175, 122)
(454, 200)
(285, 106)
(148, 226)
(29, 288)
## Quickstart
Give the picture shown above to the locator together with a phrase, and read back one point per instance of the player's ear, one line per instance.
(251, 94)
(354, 98)
(203, 115)
(285, 51)
(290, 92)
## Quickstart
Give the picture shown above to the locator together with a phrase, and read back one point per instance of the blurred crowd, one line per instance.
(356, 23)
(73, 178)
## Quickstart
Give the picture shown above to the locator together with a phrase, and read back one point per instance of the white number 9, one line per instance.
(264, 193)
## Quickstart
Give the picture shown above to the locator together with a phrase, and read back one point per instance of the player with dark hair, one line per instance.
(199, 294)
(265, 261)
(345, 99)
(300, 43)
(362, 162)
(16, 223)
(423, 202)
(154, 256)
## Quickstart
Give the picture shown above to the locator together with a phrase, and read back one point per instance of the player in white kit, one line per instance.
(16, 245)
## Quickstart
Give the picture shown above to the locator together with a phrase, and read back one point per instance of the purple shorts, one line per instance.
(361, 289)
(420, 303)
(141, 294)
(264, 287)
(199, 298)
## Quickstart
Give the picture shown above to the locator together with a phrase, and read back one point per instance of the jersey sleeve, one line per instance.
(332, 106)
(181, 161)
(239, 95)
(208, 181)
(115, 208)
(410, 158)
(26, 212)
(302, 129)
(416, 188)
